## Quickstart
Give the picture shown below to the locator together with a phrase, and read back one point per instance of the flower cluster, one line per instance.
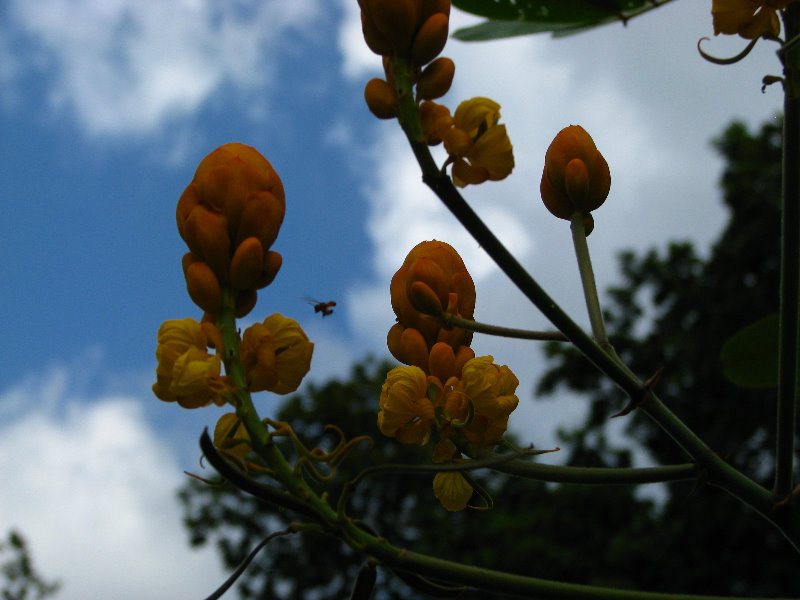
(229, 216)
(413, 33)
(444, 386)
(576, 177)
(186, 372)
(750, 19)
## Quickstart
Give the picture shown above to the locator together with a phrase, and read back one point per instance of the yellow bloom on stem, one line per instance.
(406, 412)
(491, 389)
(186, 372)
(452, 490)
(748, 18)
(276, 355)
(231, 437)
(479, 146)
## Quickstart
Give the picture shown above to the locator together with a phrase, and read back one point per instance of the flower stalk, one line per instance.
(587, 280)
(790, 259)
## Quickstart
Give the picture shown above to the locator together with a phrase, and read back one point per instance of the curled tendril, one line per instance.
(308, 458)
(481, 491)
(725, 61)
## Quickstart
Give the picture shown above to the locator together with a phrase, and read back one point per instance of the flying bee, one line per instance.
(326, 308)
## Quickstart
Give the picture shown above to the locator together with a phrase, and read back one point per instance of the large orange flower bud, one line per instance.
(235, 195)
(411, 29)
(576, 176)
(432, 271)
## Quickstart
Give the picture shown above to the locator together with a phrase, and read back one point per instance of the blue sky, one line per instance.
(107, 107)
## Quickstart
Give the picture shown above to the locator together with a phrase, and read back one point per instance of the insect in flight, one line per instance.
(326, 308)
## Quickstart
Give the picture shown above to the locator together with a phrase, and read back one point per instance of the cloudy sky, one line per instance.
(107, 106)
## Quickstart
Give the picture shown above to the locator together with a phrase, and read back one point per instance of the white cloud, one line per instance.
(130, 67)
(652, 105)
(92, 488)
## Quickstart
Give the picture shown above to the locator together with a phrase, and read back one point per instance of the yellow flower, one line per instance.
(452, 490)
(406, 411)
(231, 437)
(186, 372)
(276, 355)
(479, 146)
(748, 18)
(491, 389)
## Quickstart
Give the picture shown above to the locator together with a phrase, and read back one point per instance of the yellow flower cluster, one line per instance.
(444, 385)
(415, 32)
(229, 216)
(748, 18)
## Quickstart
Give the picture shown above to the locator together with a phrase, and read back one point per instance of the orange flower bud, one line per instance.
(272, 263)
(436, 78)
(381, 98)
(407, 345)
(424, 299)
(431, 7)
(575, 176)
(396, 20)
(376, 41)
(430, 39)
(442, 361)
(206, 234)
(245, 302)
(436, 121)
(235, 194)
(440, 267)
(247, 264)
(203, 287)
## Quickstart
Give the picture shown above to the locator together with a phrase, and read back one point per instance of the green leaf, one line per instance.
(750, 356)
(508, 18)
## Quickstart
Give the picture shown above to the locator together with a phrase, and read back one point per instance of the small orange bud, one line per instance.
(430, 39)
(245, 302)
(436, 120)
(246, 264)
(424, 299)
(395, 20)
(436, 78)
(575, 176)
(203, 287)
(206, 234)
(408, 346)
(272, 263)
(381, 98)
(442, 361)
(376, 41)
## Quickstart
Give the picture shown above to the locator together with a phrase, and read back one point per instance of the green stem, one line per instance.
(522, 334)
(719, 473)
(506, 584)
(587, 279)
(259, 435)
(790, 259)
(589, 475)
